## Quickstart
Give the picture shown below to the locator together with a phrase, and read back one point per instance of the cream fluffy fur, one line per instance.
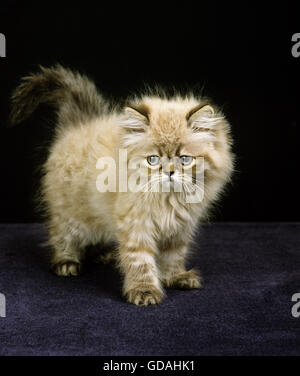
(153, 230)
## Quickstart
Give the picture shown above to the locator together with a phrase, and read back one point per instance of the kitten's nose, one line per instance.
(169, 173)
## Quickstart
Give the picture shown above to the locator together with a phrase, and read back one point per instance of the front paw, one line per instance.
(186, 280)
(143, 295)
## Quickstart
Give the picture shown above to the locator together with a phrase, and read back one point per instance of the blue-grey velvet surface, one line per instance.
(250, 273)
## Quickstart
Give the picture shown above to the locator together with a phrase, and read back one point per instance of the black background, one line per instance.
(239, 53)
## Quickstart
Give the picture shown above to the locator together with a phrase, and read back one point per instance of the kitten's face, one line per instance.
(171, 142)
(167, 169)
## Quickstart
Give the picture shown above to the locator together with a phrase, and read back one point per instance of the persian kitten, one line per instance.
(179, 141)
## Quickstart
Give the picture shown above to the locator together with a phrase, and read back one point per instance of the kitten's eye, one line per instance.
(153, 160)
(186, 160)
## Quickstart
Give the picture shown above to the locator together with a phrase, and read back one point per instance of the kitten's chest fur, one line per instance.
(173, 218)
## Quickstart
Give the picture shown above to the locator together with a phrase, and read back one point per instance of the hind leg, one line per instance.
(67, 252)
(173, 270)
(106, 258)
(66, 261)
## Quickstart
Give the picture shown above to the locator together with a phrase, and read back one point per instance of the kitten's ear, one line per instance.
(135, 118)
(203, 116)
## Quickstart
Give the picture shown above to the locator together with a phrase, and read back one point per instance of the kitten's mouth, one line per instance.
(168, 184)
(167, 180)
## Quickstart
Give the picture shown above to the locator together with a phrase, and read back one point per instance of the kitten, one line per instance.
(153, 227)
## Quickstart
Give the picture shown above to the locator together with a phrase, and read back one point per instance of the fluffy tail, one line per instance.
(74, 95)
